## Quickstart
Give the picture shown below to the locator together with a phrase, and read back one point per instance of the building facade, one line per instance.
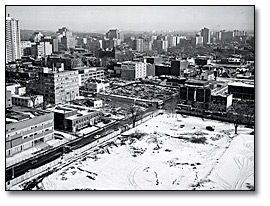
(58, 86)
(162, 69)
(178, 67)
(241, 90)
(195, 91)
(198, 40)
(25, 46)
(24, 130)
(26, 101)
(73, 118)
(86, 73)
(133, 70)
(205, 33)
(139, 45)
(96, 85)
(41, 49)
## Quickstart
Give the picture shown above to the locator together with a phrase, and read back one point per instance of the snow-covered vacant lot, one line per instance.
(171, 155)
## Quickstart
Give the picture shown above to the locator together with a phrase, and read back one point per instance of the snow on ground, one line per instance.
(165, 158)
(236, 168)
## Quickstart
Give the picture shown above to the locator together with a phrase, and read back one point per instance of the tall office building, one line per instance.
(205, 33)
(13, 47)
(66, 38)
(41, 49)
(199, 40)
(26, 48)
(164, 45)
(226, 36)
(139, 45)
(133, 70)
(147, 45)
(172, 41)
(237, 33)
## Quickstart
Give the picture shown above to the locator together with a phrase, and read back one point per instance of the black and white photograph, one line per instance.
(129, 98)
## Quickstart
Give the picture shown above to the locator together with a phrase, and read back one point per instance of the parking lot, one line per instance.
(145, 91)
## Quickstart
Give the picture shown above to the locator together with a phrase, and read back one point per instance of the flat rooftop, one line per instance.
(62, 109)
(17, 114)
(241, 84)
(163, 65)
(24, 97)
(197, 82)
(80, 110)
(80, 113)
(88, 68)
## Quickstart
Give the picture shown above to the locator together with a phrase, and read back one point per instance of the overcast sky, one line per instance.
(137, 18)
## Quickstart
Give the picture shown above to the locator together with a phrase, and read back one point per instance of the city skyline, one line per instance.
(126, 18)
(130, 98)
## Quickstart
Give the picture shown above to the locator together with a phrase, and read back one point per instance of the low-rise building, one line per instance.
(224, 101)
(206, 93)
(86, 73)
(207, 75)
(96, 103)
(96, 85)
(153, 60)
(162, 69)
(27, 101)
(242, 90)
(12, 87)
(195, 91)
(20, 90)
(72, 118)
(26, 128)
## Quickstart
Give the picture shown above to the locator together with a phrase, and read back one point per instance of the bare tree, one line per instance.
(33, 96)
(171, 107)
(217, 107)
(135, 114)
(241, 112)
